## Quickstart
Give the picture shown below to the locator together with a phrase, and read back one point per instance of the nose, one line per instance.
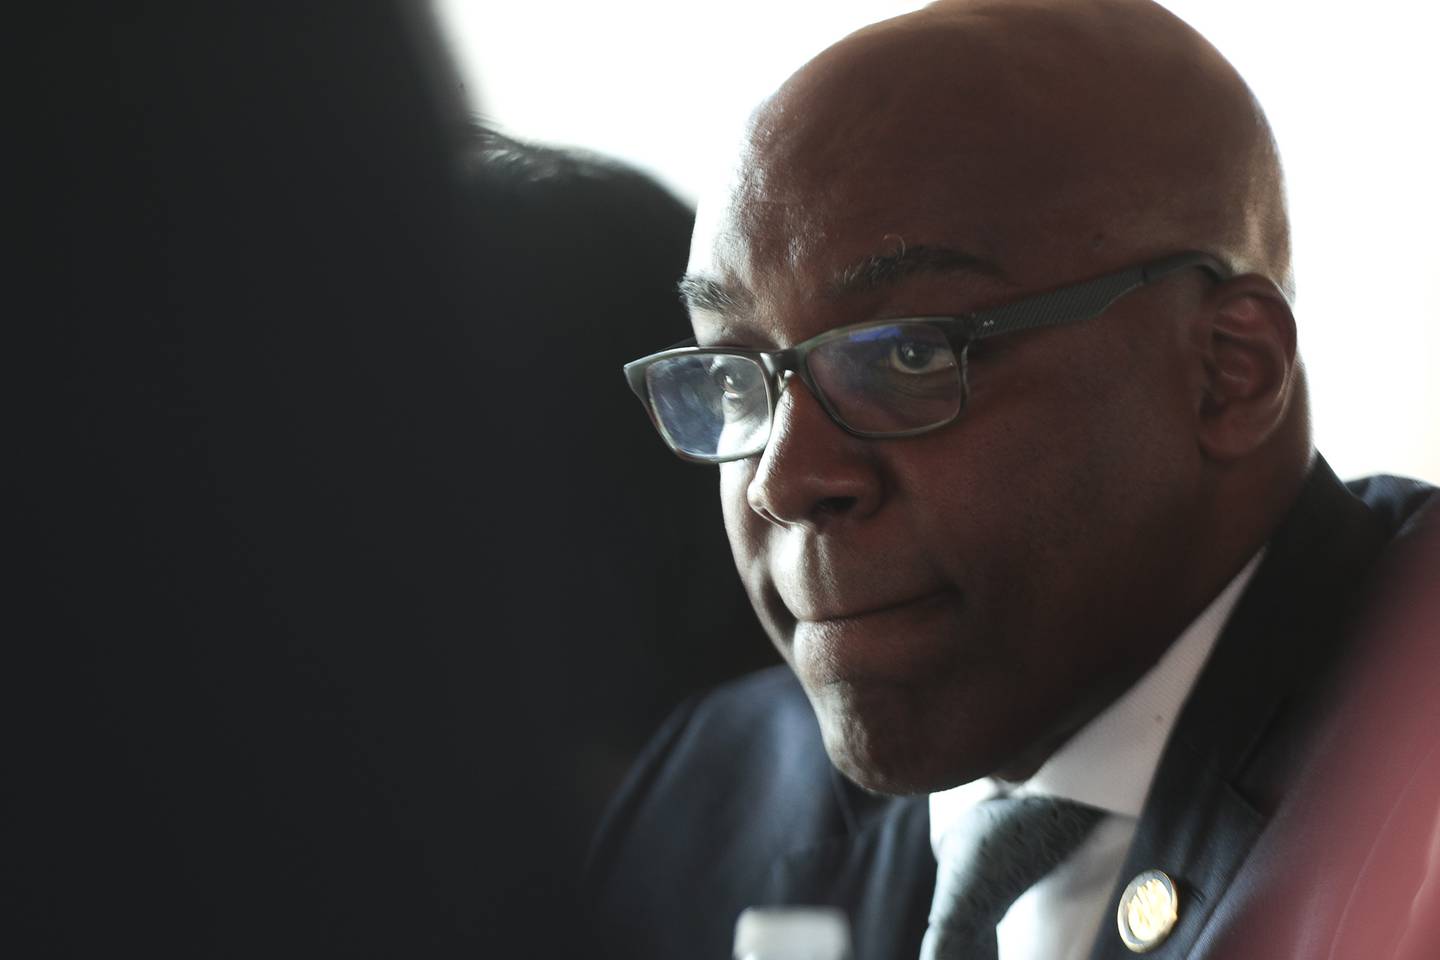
(812, 472)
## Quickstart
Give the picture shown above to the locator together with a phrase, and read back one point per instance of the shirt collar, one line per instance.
(1110, 762)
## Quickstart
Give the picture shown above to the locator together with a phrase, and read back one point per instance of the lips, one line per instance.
(828, 581)
(902, 641)
(812, 612)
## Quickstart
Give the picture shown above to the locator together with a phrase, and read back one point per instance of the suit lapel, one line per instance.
(1225, 765)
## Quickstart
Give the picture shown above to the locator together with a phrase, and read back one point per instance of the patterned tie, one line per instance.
(999, 850)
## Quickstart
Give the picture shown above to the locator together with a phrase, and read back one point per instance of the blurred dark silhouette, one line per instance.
(343, 601)
(581, 256)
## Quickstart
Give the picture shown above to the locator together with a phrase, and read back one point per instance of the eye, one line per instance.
(730, 385)
(915, 356)
(736, 380)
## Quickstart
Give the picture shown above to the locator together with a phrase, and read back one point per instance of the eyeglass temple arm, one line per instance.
(1156, 269)
(1072, 304)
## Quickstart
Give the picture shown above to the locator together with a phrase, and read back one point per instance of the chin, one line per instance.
(884, 741)
(879, 774)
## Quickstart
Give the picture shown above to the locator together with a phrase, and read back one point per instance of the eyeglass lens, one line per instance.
(891, 378)
(712, 406)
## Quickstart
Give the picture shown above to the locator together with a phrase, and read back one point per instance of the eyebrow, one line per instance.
(706, 293)
(884, 270)
(874, 272)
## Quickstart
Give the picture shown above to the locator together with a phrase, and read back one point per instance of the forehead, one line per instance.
(793, 235)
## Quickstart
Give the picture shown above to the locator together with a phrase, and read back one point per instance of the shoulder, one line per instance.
(750, 745)
(734, 781)
(752, 725)
(1394, 501)
(1327, 551)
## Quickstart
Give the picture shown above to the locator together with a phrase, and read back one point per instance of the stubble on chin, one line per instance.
(877, 735)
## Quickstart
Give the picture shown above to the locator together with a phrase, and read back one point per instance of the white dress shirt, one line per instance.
(1108, 764)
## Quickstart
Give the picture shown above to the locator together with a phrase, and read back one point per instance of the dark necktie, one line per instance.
(1001, 848)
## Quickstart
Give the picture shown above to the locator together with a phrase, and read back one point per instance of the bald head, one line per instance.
(1097, 132)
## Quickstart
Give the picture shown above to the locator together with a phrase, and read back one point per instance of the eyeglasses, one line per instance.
(884, 378)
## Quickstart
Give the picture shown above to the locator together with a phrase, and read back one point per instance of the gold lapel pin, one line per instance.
(1148, 910)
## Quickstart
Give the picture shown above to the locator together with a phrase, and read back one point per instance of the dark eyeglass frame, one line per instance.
(1070, 304)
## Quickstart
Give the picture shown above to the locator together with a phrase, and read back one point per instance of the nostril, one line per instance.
(769, 516)
(835, 505)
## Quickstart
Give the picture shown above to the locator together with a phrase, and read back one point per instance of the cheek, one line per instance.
(742, 525)
(1050, 486)
(748, 534)
(734, 481)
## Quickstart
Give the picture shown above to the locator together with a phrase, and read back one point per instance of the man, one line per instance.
(998, 362)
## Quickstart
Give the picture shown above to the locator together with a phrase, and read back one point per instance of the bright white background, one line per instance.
(1352, 91)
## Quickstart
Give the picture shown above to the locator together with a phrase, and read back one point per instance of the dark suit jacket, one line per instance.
(735, 803)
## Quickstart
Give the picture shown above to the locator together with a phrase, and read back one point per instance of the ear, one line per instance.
(1248, 343)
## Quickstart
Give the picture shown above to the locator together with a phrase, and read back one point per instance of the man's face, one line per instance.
(954, 604)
